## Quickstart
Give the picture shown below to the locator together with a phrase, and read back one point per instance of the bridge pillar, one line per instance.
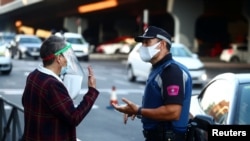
(185, 14)
(246, 13)
(75, 24)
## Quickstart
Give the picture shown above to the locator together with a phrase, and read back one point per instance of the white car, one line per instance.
(118, 45)
(7, 37)
(79, 44)
(139, 70)
(5, 59)
(224, 100)
(238, 52)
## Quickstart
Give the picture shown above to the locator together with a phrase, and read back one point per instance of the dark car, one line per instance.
(226, 98)
(26, 46)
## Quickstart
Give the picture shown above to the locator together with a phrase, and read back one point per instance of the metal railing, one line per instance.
(10, 127)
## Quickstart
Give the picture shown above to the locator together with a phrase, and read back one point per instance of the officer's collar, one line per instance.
(163, 60)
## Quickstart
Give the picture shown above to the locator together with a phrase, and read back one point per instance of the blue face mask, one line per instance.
(64, 70)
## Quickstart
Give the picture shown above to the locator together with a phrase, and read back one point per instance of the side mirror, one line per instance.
(202, 121)
(198, 127)
(195, 55)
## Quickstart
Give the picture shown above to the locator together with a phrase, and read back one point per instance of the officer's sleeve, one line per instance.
(172, 85)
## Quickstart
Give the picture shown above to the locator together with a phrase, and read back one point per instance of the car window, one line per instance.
(244, 105)
(180, 52)
(242, 48)
(215, 100)
(30, 40)
(75, 40)
(1, 43)
(8, 37)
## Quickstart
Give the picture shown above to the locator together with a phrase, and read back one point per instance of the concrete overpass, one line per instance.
(196, 23)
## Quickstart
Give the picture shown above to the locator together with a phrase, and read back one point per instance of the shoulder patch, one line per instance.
(173, 90)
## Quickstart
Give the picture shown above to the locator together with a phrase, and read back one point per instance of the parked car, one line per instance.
(118, 45)
(7, 37)
(238, 52)
(24, 46)
(5, 59)
(79, 44)
(139, 70)
(226, 99)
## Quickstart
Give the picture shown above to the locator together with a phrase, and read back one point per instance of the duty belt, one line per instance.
(168, 135)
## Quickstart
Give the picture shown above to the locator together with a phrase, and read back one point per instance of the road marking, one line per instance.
(83, 91)
(7, 107)
(93, 107)
(12, 91)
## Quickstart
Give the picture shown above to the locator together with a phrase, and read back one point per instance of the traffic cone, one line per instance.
(113, 98)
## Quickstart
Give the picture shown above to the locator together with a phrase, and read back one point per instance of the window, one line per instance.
(242, 48)
(75, 40)
(215, 99)
(244, 105)
(180, 52)
(30, 40)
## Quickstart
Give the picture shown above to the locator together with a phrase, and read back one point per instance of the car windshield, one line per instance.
(244, 105)
(8, 37)
(1, 43)
(29, 40)
(75, 40)
(180, 52)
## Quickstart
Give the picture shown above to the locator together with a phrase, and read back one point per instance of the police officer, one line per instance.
(165, 106)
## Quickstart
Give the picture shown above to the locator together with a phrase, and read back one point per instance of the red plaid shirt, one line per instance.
(49, 112)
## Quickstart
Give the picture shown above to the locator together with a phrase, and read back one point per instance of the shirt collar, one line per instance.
(49, 72)
(166, 58)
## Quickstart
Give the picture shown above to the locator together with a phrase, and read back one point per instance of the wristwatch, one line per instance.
(138, 114)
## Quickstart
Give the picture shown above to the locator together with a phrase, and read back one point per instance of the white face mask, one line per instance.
(147, 53)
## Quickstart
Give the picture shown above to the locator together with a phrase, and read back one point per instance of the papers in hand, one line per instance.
(73, 83)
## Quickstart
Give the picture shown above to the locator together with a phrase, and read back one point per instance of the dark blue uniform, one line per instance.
(168, 83)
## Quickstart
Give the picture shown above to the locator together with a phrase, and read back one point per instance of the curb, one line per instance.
(96, 56)
(208, 61)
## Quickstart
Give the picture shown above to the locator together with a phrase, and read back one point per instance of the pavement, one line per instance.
(211, 62)
(215, 62)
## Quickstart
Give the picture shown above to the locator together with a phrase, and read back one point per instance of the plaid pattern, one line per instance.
(50, 114)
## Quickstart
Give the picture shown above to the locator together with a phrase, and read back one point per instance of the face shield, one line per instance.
(73, 77)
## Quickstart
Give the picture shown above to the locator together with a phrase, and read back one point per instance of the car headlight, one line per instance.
(23, 48)
(85, 49)
(2, 53)
(7, 53)
(204, 77)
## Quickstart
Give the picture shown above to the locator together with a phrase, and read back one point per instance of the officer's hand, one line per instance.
(126, 116)
(91, 78)
(129, 108)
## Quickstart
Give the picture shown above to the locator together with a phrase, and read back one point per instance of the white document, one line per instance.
(73, 83)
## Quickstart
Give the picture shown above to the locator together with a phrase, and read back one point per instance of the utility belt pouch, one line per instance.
(169, 135)
(191, 131)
